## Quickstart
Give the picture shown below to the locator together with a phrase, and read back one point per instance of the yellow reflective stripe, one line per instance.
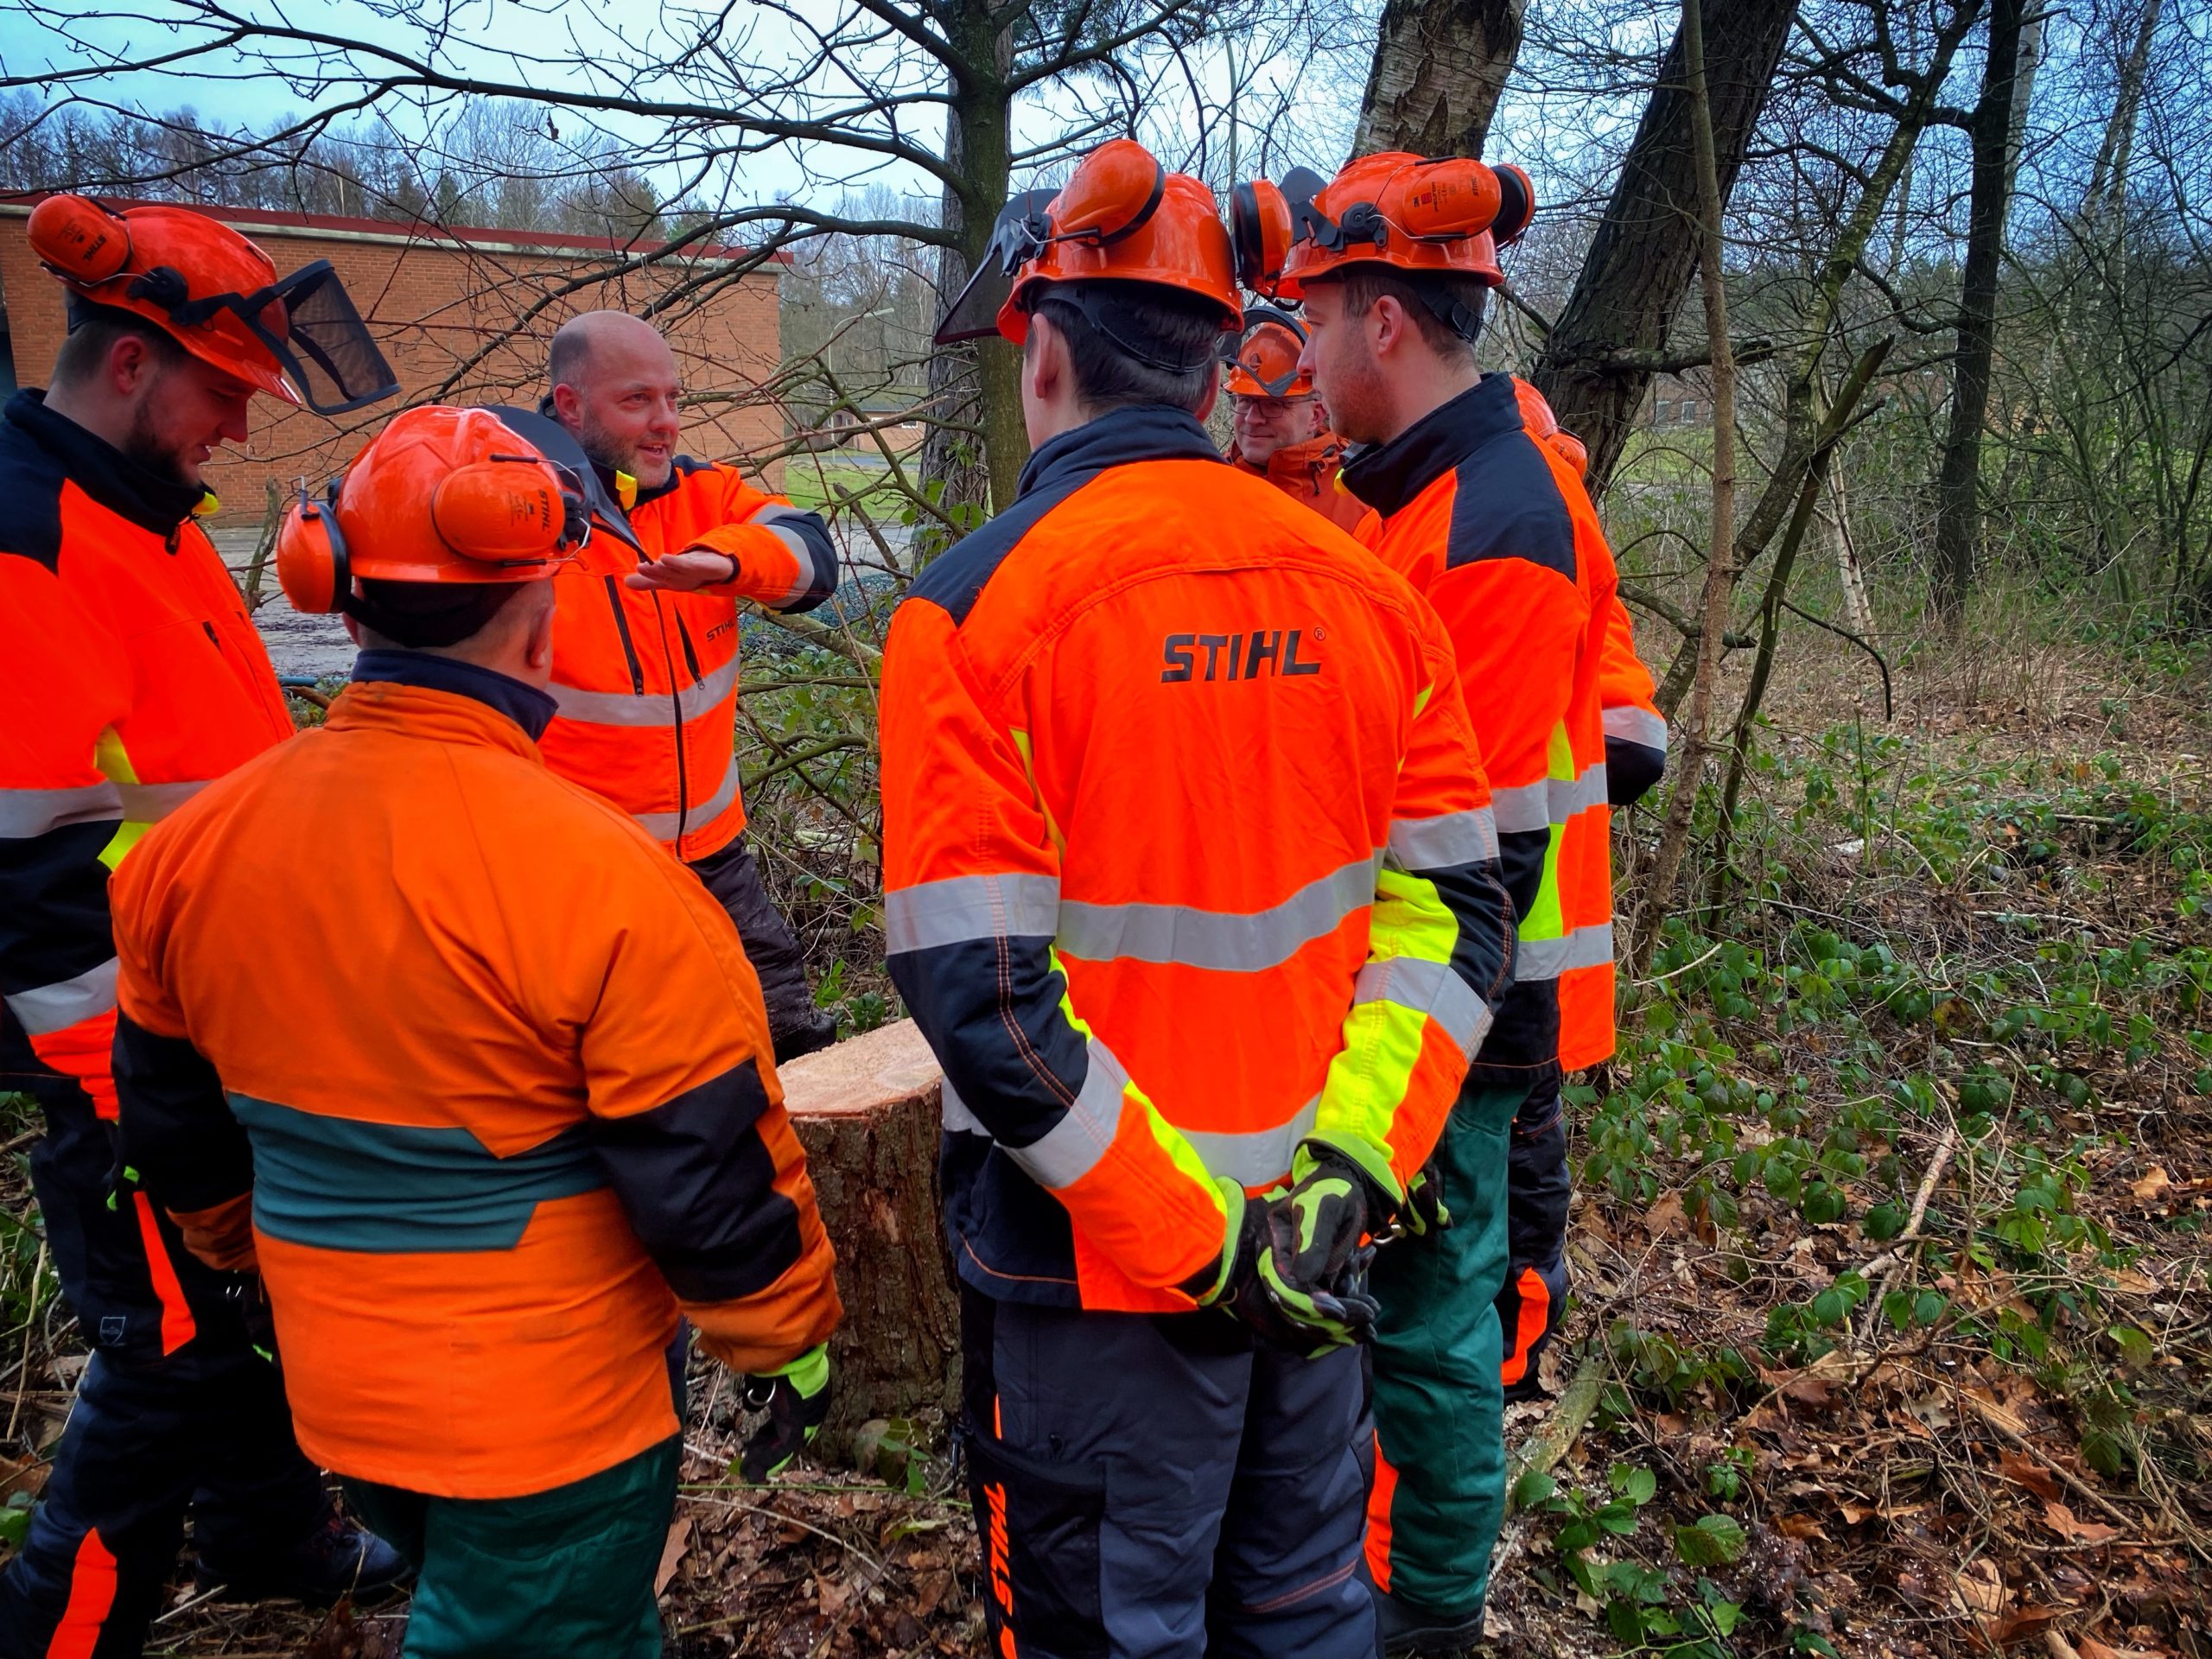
(1029, 771)
(1368, 1078)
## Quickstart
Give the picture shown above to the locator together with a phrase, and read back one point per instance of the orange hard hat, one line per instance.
(1122, 218)
(1264, 363)
(440, 495)
(1541, 424)
(1442, 215)
(217, 296)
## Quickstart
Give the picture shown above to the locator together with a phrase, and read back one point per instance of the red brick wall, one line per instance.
(436, 301)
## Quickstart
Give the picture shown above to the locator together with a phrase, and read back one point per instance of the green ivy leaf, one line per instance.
(1715, 1540)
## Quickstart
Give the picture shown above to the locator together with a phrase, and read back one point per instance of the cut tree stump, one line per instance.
(867, 1112)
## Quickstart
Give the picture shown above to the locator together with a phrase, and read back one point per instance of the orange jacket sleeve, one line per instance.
(65, 685)
(1636, 731)
(694, 1138)
(785, 557)
(971, 900)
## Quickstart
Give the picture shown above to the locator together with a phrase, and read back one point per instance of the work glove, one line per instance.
(1424, 1212)
(249, 1296)
(1315, 1268)
(1232, 1283)
(797, 1399)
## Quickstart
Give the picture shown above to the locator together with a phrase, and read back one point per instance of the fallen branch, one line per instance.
(1542, 1452)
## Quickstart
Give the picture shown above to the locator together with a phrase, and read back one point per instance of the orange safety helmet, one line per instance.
(217, 296)
(1442, 215)
(1543, 426)
(1264, 363)
(1122, 218)
(441, 495)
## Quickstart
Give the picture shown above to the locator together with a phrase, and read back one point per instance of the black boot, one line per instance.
(1401, 1628)
(336, 1559)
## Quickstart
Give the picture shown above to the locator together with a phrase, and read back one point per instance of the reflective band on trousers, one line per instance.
(664, 826)
(1528, 808)
(1256, 1157)
(1636, 725)
(1431, 988)
(1444, 843)
(27, 812)
(642, 708)
(1229, 941)
(55, 1007)
(1581, 947)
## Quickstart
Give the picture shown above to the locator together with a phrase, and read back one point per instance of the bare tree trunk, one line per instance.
(2108, 179)
(1597, 360)
(1439, 69)
(1857, 609)
(1958, 481)
(1719, 582)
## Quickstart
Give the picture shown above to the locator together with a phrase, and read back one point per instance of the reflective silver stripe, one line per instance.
(27, 812)
(1638, 726)
(1442, 842)
(964, 908)
(51, 1008)
(1430, 988)
(1256, 1157)
(1230, 941)
(1528, 808)
(770, 518)
(1071, 1149)
(643, 709)
(958, 1119)
(662, 826)
(1584, 947)
(151, 803)
(1523, 809)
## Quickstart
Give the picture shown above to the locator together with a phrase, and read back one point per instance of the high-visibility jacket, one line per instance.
(1188, 855)
(1495, 529)
(1308, 472)
(130, 676)
(487, 1098)
(646, 681)
(1636, 731)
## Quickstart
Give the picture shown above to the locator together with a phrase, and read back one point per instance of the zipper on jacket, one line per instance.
(690, 657)
(622, 627)
(675, 710)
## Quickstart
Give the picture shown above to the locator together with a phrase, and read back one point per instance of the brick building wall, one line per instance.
(449, 309)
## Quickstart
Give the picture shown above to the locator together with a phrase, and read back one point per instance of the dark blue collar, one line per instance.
(528, 706)
(1388, 475)
(1139, 432)
(104, 472)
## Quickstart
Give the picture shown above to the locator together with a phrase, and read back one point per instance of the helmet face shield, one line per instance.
(320, 340)
(1022, 233)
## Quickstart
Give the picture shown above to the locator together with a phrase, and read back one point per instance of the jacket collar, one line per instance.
(1300, 460)
(526, 705)
(102, 471)
(1140, 432)
(1388, 475)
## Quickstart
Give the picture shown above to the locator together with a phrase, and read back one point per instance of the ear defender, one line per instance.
(312, 566)
(1516, 205)
(1115, 191)
(501, 511)
(76, 237)
(1444, 200)
(1259, 234)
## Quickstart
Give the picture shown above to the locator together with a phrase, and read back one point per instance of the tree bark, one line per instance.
(1719, 576)
(1439, 69)
(1638, 269)
(1958, 480)
(867, 1112)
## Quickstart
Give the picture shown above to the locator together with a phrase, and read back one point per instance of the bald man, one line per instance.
(645, 645)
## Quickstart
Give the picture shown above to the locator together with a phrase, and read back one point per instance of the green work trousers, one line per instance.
(1440, 1431)
(569, 1571)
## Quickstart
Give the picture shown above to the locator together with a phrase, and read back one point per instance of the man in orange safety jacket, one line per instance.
(647, 665)
(1280, 430)
(1191, 883)
(133, 678)
(487, 1099)
(1393, 261)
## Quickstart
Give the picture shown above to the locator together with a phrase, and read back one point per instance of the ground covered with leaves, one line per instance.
(1892, 1331)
